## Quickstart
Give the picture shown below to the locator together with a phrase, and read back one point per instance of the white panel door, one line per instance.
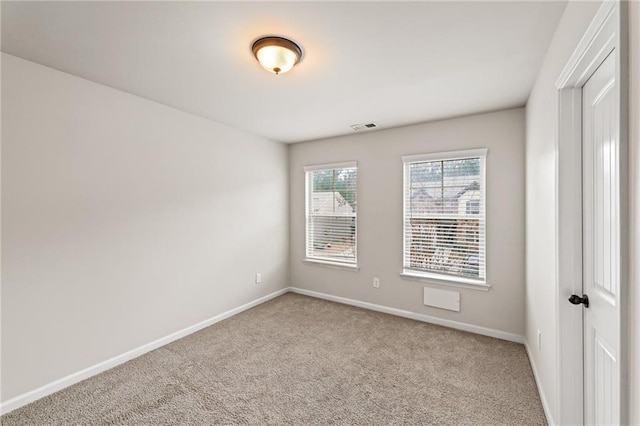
(601, 229)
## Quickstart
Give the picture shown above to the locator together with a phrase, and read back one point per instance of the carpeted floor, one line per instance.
(303, 361)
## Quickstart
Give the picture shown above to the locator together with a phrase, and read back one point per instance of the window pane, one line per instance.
(426, 174)
(331, 220)
(333, 238)
(445, 245)
(323, 180)
(350, 197)
(426, 201)
(444, 217)
(462, 168)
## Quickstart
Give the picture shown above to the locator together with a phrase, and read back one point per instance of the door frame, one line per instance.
(607, 31)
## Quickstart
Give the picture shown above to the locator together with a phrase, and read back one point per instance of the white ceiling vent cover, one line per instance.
(364, 126)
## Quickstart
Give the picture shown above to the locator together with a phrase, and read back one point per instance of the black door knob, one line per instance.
(576, 300)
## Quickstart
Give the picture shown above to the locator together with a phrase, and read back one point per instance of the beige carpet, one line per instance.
(303, 361)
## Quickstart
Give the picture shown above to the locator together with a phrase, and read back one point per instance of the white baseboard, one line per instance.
(543, 399)
(412, 315)
(48, 389)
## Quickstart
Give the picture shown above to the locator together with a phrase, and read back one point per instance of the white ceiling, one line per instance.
(394, 63)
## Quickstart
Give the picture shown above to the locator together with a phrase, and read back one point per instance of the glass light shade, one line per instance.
(276, 59)
(275, 54)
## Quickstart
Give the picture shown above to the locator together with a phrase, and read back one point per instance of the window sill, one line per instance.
(332, 265)
(444, 280)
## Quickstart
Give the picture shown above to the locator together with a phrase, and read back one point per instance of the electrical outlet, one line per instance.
(376, 282)
(258, 278)
(539, 340)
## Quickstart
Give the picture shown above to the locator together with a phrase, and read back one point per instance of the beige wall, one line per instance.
(380, 216)
(124, 221)
(634, 168)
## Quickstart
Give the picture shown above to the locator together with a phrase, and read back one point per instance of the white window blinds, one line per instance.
(444, 214)
(331, 219)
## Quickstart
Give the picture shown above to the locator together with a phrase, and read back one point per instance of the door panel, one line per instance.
(601, 240)
(606, 391)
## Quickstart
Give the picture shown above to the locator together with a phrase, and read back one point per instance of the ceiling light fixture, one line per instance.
(276, 54)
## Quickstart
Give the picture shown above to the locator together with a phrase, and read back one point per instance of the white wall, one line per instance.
(380, 216)
(124, 221)
(634, 169)
(542, 110)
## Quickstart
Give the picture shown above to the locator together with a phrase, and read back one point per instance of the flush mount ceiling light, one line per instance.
(276, 54)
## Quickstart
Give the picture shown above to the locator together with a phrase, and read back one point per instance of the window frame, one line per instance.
(326, 261)
(433, 276)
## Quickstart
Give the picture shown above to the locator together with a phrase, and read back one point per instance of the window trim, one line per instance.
(431, 276)
(345, 165)
(351, 265)
(447, 155)
(444, 280)
(331, 264)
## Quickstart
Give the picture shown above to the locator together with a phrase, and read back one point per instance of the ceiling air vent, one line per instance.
(367, 126)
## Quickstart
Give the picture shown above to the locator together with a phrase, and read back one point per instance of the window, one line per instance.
(331, 220)
(444, 216)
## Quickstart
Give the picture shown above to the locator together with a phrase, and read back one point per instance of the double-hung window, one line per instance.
(444, 216)
(331, 218)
